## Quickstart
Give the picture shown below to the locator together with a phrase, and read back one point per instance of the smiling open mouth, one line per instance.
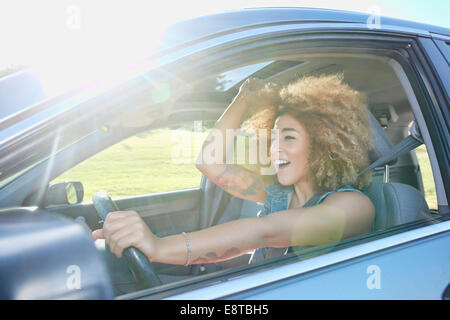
(282, 163)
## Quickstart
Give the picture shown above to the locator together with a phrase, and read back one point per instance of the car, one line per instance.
(57, 151)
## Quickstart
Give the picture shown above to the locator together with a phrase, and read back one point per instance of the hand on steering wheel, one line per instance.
(127, 233)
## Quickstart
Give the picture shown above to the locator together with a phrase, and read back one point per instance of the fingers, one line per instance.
(118, 220)
(123, 229)
(98, 234)
(113, 216)
(253, 84)
(132, 236)
(121, 240)
(272, 86)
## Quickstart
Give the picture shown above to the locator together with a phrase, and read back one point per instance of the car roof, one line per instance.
(210, 25)
(24, 89)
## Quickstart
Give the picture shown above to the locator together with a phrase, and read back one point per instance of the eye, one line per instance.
(289, 138)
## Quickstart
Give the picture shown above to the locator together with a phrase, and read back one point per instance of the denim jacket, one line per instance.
(279, 199)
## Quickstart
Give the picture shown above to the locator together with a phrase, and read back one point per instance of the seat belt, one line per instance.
(406, 145)
(224, 201)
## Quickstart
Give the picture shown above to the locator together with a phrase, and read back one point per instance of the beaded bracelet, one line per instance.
(188, 244)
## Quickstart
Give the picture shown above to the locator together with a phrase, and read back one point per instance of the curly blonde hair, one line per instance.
(334, 115)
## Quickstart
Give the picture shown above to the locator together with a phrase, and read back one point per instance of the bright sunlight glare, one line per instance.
(69, 42)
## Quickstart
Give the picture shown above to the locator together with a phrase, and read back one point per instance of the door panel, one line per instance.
(406, 265)
(165, 213)
(416, 270)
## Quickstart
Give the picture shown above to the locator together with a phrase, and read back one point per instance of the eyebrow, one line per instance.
(288, 129)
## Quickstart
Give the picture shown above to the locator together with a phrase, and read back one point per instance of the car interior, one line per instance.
(397, 188)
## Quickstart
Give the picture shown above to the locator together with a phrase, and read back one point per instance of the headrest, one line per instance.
(382, 144)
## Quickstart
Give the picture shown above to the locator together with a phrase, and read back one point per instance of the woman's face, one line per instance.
(289, 150)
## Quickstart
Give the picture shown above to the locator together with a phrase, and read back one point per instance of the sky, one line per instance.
(42, 32)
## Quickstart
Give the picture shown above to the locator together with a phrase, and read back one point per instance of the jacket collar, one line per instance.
(278, 190)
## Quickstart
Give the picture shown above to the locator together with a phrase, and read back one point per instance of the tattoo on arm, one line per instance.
(213, 257)
(239, 180)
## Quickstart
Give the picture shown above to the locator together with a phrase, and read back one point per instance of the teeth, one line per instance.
(278, 162)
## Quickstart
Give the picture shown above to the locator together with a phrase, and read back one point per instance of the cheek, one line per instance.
(299, 152)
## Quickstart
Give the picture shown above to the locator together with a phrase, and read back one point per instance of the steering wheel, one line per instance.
(138, 263)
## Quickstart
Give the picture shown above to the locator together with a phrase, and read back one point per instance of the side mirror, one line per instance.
(63, 193)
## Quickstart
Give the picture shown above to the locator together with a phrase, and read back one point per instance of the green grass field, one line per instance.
(150, 163)
(139, 165)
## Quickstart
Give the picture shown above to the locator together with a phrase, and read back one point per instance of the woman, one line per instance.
(319, 145)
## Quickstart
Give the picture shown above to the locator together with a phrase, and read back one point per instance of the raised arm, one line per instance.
(233, 178)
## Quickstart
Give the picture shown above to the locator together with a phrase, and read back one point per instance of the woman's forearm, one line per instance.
(213, 244)
(232, 117)
(230, 120)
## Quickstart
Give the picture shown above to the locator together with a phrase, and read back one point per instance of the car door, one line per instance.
(142, 173)
(152, 173)
(383, 265)
(377, 265)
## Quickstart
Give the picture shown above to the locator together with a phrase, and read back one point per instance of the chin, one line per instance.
(284, 181)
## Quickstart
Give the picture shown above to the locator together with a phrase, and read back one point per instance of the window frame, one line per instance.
(159, 192)
(373, 43)
(430, 64)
